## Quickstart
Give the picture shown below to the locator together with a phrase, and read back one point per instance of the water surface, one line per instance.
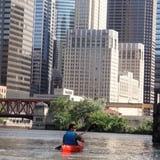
(21, 144)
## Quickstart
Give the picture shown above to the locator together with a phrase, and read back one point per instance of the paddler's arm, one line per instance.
(79, 138)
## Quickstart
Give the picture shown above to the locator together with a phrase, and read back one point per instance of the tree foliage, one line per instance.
(89, 115)
(59, 111)
(107, 123)
(81, 111)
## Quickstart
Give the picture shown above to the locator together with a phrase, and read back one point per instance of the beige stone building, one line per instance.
(3, 91)
(16, 25)
(131, 59)
(91, 64)
(90, 14)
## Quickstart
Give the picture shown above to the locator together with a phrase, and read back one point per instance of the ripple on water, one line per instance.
(39, 145)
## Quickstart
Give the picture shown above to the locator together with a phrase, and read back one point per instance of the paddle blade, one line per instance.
(58, 147)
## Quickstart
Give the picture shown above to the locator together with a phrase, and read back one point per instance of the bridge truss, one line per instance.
(18, 107)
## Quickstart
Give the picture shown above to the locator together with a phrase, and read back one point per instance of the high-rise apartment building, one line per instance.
(43, 44)
(135, 21)
(91, 63)
(16, 26)
(90, 14)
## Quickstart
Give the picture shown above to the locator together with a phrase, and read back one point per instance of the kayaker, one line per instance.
(71, 137)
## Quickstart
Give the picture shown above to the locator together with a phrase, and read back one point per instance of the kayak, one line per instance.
(72, 148)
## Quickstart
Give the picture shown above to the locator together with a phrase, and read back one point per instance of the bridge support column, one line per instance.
(40, 115)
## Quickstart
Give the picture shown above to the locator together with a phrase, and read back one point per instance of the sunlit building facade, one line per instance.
(131, 59)
(91, 64)
(157, 57)
(16, 27)
(135, 21)
(90, 14)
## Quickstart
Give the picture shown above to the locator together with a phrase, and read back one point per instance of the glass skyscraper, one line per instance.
(135, 20)
(65, 21)
(43, 44)
(157, 59)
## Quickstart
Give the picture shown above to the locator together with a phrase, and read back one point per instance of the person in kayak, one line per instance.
(71, 137)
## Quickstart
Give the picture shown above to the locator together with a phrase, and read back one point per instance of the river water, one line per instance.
(23, 144)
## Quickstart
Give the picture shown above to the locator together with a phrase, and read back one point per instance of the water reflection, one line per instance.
(39, 144)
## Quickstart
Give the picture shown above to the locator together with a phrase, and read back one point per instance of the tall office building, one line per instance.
(65, 21)
(91, 63)
(43, 44)
(131, 59)
(90, 14)
(16, 26)
(158, 29)
(135, 21)
(157, 79)
(91, 56)
(157, 57)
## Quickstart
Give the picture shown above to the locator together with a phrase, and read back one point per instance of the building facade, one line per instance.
(131, 59)
(90, 14)
(91, 63)
(43, 45)
(157, 79)
(3, 91)
(157, 57)
(135, 21)
(65, 21)
(128, 88)
(16, 26)
(158, 29)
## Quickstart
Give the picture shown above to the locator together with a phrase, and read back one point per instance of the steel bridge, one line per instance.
(22, 108)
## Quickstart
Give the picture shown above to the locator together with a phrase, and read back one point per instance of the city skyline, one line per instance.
(43, 82)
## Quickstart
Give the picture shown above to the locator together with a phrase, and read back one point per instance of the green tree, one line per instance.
(81, 110)
(59, 111)
(117, 124)
(107, 123)
(98, 121)
(145, 127)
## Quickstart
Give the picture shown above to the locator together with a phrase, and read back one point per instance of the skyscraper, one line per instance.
(90, 14)
(131, 59)
(65, 21)
(16, 26)
(157, 57)
(91, 63)
(91, 55)
(43, 44)
(135, 22)
(158, 29)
